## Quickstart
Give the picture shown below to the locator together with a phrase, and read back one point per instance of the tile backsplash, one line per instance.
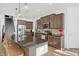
(53, 31)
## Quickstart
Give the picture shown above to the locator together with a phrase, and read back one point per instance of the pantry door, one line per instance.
(72, 28)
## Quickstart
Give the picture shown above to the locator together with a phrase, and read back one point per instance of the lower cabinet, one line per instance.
(42, 49)
(54, 41)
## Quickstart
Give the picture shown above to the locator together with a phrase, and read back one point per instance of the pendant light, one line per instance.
(26, 6)
(19, 10)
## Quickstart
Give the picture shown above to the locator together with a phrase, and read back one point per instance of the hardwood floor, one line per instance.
(56, 52)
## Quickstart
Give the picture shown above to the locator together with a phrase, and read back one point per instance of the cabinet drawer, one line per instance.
(55, 42)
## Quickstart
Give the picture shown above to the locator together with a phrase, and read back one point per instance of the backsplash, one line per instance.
(52, 31)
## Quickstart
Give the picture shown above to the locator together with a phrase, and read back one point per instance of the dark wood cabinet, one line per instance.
(45, 19)
(55, 21)
(59, 19)
(22, 33)
(21, 22)
(38, 38)
(29, 25)
(42, 21)
(29, 37)
(45, 22)
(39, 24)
(54, 41)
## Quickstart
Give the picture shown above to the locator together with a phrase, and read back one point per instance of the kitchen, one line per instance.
(37, 33)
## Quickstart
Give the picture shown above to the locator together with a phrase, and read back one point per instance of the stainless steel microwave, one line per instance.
(45, 25)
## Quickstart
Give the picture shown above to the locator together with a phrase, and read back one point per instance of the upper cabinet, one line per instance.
(43, 21)
(56, 21)
(29, 24)
(60, 20)
(21, 22)
(39, 24)
(53, 21)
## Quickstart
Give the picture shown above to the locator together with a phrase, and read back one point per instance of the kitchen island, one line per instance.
(37, 49)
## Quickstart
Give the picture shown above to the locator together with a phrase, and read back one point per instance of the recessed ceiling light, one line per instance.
(26, 7)
(50, 4)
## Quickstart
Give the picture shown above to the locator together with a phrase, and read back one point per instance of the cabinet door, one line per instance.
(50, 40)
(57, 42)
(39, 24)
(29, 25)
(59, 19)
(56, 21)
(21, 22)
(54, 41)
(45, 20)
(53, 21)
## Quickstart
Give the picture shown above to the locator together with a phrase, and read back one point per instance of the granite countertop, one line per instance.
(35, 44)
(42, 33)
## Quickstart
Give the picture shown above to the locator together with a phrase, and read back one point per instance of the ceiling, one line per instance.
(35, 10)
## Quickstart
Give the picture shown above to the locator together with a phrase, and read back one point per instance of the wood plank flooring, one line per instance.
(56, 52)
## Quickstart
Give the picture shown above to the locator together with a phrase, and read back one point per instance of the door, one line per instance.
(73, 33)
(72, 28)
